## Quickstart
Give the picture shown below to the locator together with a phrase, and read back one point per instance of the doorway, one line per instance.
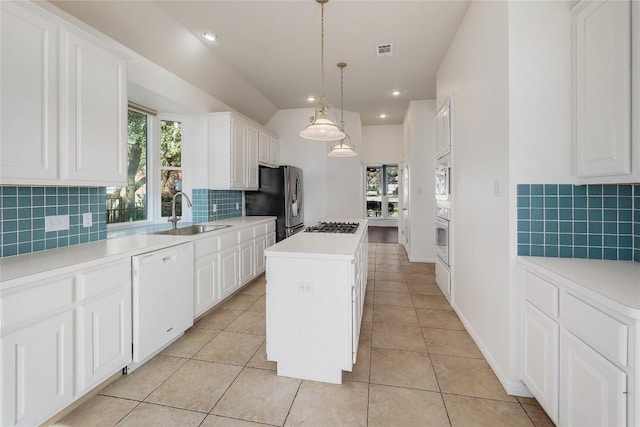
(382, 205)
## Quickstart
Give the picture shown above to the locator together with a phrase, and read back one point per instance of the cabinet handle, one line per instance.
(169, 258)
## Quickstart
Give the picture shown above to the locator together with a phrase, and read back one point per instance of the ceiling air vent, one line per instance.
(385, 49)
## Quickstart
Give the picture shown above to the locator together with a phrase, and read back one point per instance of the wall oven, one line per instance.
(443, 217)
(443, 181)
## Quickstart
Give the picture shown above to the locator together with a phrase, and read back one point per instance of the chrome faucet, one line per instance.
(174, 218)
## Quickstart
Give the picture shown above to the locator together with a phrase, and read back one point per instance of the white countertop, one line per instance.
(320, 245)
(17, 270)
(617, 281)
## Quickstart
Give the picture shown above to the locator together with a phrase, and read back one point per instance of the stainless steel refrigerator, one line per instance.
(280, 195)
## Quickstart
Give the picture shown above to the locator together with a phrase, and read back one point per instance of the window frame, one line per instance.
(154, 203)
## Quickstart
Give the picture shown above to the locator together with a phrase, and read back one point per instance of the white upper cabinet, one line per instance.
(29, 75)
(235, 149)
(603, 81)
(269, 150)
(63, 103)
(443, 129)
(94, 130)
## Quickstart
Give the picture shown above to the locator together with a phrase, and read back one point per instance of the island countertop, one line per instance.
(320, 245)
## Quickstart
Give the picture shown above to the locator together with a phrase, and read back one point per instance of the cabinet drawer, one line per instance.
(46, 296)
(541, 293)
(605, 334)
(263, 229)
(245, 234)
(205, 247)
(227, 240)
(105, 278)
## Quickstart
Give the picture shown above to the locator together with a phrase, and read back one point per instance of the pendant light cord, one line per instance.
(322, 50)
(342, 98)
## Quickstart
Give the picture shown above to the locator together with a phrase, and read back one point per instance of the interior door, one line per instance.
(405, 203)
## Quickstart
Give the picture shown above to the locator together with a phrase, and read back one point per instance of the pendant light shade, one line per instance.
(320, 127)
(342, 148)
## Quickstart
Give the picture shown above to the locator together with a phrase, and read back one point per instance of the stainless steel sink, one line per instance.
(193, 229)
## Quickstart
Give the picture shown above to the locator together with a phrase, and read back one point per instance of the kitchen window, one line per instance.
(150, 185)
(129, 203)
(170, 165)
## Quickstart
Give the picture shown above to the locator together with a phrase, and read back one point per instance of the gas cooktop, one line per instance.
(333, 227)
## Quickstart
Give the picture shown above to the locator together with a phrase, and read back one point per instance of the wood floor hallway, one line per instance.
(383, 234)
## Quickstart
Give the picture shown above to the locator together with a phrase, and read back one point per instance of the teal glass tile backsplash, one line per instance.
(579, 221)
(23, 211)
(228, 204)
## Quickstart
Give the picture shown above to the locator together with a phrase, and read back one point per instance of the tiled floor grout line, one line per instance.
(419, 276)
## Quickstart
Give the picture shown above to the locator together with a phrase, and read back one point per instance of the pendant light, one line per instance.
(320, 127)
(342, 148)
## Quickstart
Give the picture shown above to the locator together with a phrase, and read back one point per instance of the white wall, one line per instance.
(539, 113)
(475, 71)
(332, 186)
(420, 157)
(382, 144)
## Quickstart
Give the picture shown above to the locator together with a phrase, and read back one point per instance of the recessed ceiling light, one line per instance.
(310, 98)
(212, 37)
(383, 116)
(396, 92)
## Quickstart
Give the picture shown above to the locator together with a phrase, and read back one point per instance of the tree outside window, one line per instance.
(170, 165)
(129, 203)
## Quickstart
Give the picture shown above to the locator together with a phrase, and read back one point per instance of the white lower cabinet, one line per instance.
(246, 262)
(580, 357)
(37, 370)
(62, 336)
(541, 338)
(259, 248)
(229, 280)
(205, 280)
(593, 391)
(225, 262)
(107, 338)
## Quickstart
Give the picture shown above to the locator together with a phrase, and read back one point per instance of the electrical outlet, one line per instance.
(306, 287)
(56, 223)
(87, 219)
(214, 208)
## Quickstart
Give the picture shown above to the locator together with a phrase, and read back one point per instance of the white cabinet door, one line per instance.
(252, 159)
(94, 126)
(271, 239)
(105, 341)
(540, 348)
(246, 262)
(274, 152)
(592, 389)
(206, 278)
(229, 269)
(263, 148)
(37, 371)
(238, 154)
(260, 262)
(603, 88)
(28, 105)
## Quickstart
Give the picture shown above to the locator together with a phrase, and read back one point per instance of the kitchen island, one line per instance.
(316, 284)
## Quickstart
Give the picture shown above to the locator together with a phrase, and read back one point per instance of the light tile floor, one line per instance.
(417, 366)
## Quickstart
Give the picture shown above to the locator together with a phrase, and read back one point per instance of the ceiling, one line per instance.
(268, 57)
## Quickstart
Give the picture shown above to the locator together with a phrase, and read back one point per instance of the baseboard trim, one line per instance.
(418, 259)
(513, 388)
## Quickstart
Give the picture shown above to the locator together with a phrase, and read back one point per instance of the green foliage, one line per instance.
(170, 143)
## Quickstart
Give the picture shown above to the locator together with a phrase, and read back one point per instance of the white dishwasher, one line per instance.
(162, 298)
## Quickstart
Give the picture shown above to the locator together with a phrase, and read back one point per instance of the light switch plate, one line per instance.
(87, 220)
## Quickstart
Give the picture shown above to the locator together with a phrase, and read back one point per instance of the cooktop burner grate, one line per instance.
(333, 227)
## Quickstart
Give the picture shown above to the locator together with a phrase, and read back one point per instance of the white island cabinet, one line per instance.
(581, 339)
(316, 284)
